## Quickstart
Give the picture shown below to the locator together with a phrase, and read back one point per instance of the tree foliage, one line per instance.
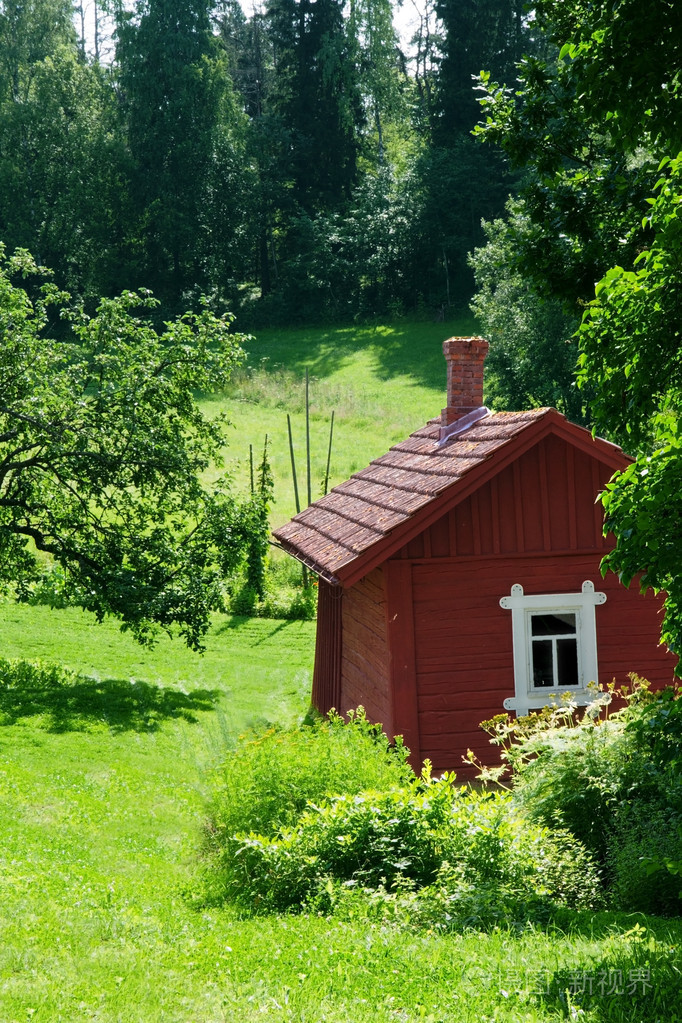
(464, 183)
(599, 129)
(477, 35)
(533, 352)
(583, 177)
(60, 149)
(102, 450)
(184, 136)
(375, 42)
(631, 340)
(229, 154)
(316, 94)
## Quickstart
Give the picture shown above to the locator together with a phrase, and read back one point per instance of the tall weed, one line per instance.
(267, 781)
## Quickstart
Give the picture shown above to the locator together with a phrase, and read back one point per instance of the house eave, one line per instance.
(548, 422)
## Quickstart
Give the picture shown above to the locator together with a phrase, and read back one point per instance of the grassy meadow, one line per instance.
(103, 791)
(382, 382)
(104, 786)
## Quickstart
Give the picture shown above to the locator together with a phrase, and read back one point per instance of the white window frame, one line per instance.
(527, 698)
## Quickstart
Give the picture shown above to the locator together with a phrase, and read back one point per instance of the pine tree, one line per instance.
(464, 183)
(478, 35)
(183, 132)
(317, 96)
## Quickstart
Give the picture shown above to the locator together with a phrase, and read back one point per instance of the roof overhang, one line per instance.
(549, 423)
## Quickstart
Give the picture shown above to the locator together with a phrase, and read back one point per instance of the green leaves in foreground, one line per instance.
(614, 782)
(102, 451)
(422, 848)
(631, 354)
(455, 856)
(267, 781)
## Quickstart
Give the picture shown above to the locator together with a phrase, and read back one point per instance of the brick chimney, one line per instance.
(465, 357)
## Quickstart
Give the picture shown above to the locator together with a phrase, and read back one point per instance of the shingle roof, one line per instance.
(359, 513)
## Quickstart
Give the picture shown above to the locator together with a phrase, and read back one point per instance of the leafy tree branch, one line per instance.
(102, 451)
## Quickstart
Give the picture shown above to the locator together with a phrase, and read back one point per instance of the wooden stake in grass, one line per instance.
(251, 465)
(307, 436)
(293, 466)
(329, 454)
(304, 570)
(265, 467)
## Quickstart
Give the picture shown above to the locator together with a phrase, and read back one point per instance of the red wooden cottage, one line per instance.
(459, 574)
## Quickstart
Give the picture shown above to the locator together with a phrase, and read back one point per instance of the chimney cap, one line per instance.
(454, 345)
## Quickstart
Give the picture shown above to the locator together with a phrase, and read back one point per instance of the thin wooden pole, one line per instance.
(251, 466)
(329, 453)
(293, 465)
(304, 572)
(307, 436)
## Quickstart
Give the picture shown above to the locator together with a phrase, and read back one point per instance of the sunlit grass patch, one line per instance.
(382, 382)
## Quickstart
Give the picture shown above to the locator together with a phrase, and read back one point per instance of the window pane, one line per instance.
(543, 670)
(554, 624)
(567, 662)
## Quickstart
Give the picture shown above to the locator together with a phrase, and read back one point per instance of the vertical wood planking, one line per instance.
(328, 648)
(597, 485)
(476, 521)
(494, 490)
(570, 473)
(364, 660)
(452, 522)
(402, 673)
(544, 499)
(518, 506)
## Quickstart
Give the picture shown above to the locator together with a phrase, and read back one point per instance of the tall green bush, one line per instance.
(533, 354)
(615, 782)
(267, 781)
(461, 848)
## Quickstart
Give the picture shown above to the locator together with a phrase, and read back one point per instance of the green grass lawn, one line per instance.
(103, 789)
(254, 671)
(102, 797)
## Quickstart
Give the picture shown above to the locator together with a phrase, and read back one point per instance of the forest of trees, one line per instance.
(304, 163)
(297, 163)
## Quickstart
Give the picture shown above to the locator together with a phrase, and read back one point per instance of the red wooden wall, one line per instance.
(463, 641)
(351, 650)
(328, 648)
(426, 648)
(365, 657)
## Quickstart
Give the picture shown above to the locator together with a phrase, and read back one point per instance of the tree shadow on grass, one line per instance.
(634, 984)
(403, 349)
(629, 975)
(83, 704)
(237, 622)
